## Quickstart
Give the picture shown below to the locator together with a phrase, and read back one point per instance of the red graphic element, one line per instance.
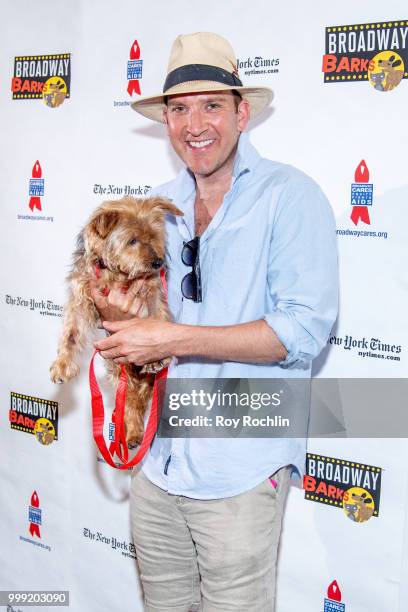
(360, 213)
(333, 591)
(35, 502)
(97, 270)
(362, 174)
(35, 201)
(134, 85)
(119, 445)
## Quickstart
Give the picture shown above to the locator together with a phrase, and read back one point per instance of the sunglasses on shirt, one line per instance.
(191, 283)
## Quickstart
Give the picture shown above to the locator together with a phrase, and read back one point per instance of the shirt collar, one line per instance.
(246, 157)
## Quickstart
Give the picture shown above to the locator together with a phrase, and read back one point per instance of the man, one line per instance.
(252, 276)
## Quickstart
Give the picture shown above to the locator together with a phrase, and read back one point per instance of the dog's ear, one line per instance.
(166, 206)
(104, 222)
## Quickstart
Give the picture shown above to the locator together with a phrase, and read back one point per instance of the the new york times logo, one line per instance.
(376, 52)
(258, 65)
(44, 307)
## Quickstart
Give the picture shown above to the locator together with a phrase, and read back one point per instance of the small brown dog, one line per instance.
(123, 241)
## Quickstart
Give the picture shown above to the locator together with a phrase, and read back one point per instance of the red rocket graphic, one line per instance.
(358, 213)
(35, 201)
(362, 174)
(333, 591)
(35, 527)
(134, 85)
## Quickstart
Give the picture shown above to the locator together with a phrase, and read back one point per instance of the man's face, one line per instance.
(204, 129)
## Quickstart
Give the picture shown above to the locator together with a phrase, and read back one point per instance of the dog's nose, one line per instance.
(157, 263)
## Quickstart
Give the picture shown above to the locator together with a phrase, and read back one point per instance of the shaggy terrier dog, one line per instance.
(123, 242)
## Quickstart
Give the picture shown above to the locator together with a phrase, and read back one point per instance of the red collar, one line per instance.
(98, 266)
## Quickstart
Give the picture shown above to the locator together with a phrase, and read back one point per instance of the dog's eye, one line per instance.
(132, 242)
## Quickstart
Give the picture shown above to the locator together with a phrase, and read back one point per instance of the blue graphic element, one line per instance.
(361, 194)
(333, 606)
(134, 69)
(111, 431)
(36, 187)
(34, 515)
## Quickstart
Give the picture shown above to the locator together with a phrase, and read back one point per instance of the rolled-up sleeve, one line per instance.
(302, 272)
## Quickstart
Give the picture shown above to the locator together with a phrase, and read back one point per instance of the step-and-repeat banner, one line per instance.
(68, 73)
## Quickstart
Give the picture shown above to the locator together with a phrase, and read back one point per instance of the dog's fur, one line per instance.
(123, 241)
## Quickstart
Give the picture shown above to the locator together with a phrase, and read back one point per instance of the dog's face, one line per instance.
(128, 235)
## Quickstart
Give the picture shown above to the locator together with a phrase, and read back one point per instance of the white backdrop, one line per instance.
(92, 141)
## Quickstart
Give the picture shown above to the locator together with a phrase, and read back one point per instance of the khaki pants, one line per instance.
(208, 555)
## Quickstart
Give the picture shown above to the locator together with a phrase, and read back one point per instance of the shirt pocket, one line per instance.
(234, 280)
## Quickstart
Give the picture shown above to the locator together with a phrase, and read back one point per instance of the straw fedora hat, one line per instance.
(202, 62)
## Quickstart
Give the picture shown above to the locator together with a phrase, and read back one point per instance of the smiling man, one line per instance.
(252, 277)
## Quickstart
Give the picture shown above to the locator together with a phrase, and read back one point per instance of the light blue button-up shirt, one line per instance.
(269, 253)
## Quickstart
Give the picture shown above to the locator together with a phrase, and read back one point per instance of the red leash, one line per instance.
(119, 445)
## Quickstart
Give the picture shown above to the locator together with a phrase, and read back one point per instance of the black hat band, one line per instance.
(200, 72)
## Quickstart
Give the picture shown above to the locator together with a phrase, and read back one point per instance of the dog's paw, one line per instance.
(134, 437)
(62, 371)
(155, 366)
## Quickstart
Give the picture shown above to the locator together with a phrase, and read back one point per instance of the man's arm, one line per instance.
(303, 285)
(303, 271)
(142, 341)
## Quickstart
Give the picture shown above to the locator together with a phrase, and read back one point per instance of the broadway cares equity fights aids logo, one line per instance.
(332, 603)
(134, 70)
(374, 52)
(134, 74)
(47, 77)
(34, 415)
(353, 487)
(35, 520)
(361, 194)
(36, 189)
(361, 200)
(34, 515)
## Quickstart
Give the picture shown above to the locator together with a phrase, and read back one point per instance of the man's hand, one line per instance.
(119, 304)
(143, 341)
(138, 341)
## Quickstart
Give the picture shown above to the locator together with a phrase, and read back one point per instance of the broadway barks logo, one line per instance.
(42, 76)
(34, 415)
(332, 603)
(354, 487)
(374, 52)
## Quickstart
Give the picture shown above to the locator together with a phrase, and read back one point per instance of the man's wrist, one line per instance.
(183, 339)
